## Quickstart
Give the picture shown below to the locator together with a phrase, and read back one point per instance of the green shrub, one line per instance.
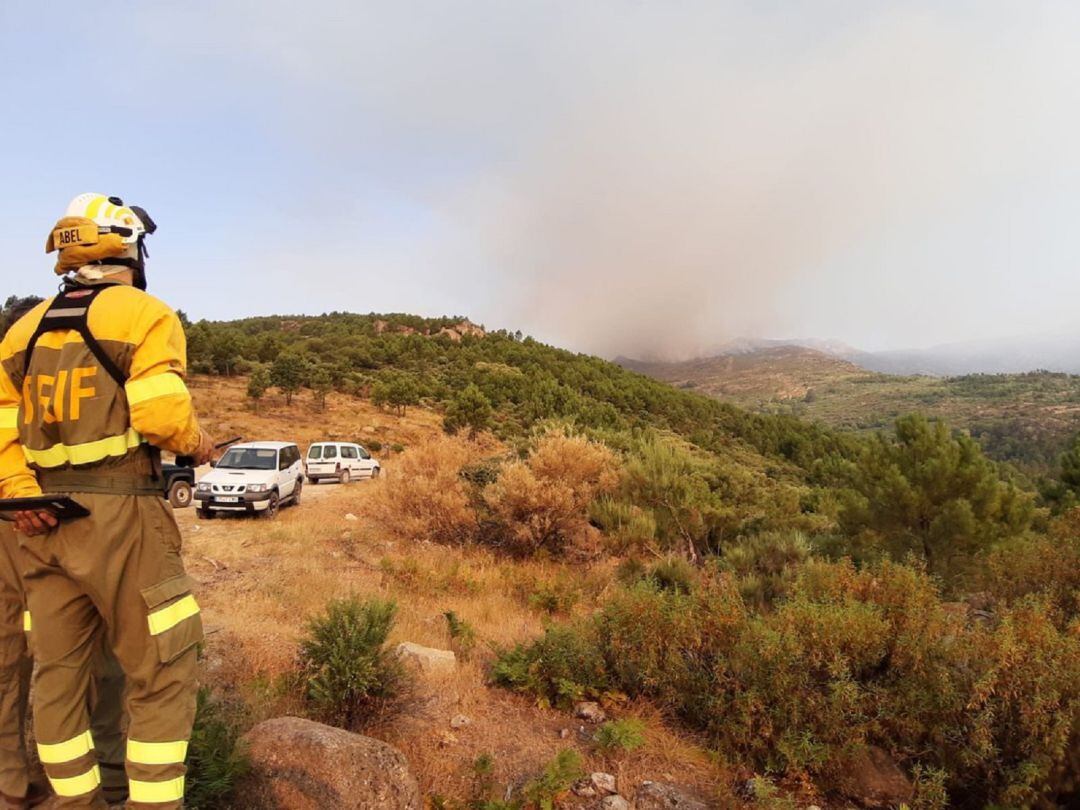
(558, 776)
(345, 667)
(673, 574)
(621, 735)
(631, 571)
(482, 473)
(1048, 566)
(215, 759)
(561, 667)
(766, 565)
(849, 658)
(554, 597)
(462, 634)
(627, 526)
(543, 792)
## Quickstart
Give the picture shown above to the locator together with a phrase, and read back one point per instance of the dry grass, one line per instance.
(226, 412)
(260, 581)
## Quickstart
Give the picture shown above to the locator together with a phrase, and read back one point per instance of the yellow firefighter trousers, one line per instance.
(16, 665)
(117, 571)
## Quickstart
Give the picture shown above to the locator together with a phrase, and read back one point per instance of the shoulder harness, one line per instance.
(70, 310)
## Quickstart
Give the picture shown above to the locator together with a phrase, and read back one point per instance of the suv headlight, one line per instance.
(256, 487)
(202, 487)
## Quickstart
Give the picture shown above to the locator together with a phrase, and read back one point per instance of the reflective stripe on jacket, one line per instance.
(67, 411)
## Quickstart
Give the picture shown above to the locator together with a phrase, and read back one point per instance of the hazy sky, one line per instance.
(618, 177)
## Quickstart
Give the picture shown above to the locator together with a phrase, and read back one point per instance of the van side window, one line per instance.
(364, 453)
(348, 452)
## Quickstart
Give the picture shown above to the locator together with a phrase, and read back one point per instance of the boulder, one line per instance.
(427, 659)
(297, 764)
(615, 803)
(604, 783)
(662, 796)
(872, 778)
(590, 711)
(460, 721)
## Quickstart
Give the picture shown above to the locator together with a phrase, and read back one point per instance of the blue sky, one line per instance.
(619, 177)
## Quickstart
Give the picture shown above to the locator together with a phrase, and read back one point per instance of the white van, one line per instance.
(252, 477)
(339, 461)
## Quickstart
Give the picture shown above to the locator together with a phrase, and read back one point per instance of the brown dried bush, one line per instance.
(424, 497)
(542, 503)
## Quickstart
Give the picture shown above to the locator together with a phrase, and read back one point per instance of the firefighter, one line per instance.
(91, 390)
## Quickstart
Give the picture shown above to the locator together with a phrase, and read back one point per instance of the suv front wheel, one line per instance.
(272, 505)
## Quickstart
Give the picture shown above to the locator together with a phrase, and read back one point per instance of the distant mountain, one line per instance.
(1016, 355)
(1001, 356)
(1023, 417)
(753, 372)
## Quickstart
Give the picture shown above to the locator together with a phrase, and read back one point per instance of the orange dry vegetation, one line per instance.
(260, 581)
(425, 498)
(541, 503)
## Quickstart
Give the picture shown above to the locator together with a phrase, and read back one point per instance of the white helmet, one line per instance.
(110, 213)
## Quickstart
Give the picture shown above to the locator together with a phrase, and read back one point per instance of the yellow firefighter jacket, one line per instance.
(77, 406)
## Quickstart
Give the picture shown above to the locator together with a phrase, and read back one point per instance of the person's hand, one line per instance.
(34, 522)
(205, 453)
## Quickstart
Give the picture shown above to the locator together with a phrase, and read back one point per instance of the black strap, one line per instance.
(71, 310)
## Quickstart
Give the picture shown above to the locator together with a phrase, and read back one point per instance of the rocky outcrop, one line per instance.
(297, 764)
(460, 330)
(873, 779)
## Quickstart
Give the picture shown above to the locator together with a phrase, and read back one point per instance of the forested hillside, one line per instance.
(403, 360)
(1027, 419)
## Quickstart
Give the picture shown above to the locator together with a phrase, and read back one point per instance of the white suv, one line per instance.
(252, 477)
(340, 461)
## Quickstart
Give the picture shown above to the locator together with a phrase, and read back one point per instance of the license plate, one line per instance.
(224, 499)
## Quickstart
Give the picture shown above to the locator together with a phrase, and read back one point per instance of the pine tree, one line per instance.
(468, 409)
(258, 382)
(287, 374)
(321, 385)
(932, 492)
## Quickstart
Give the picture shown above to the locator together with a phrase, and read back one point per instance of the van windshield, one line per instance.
(248, 458)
